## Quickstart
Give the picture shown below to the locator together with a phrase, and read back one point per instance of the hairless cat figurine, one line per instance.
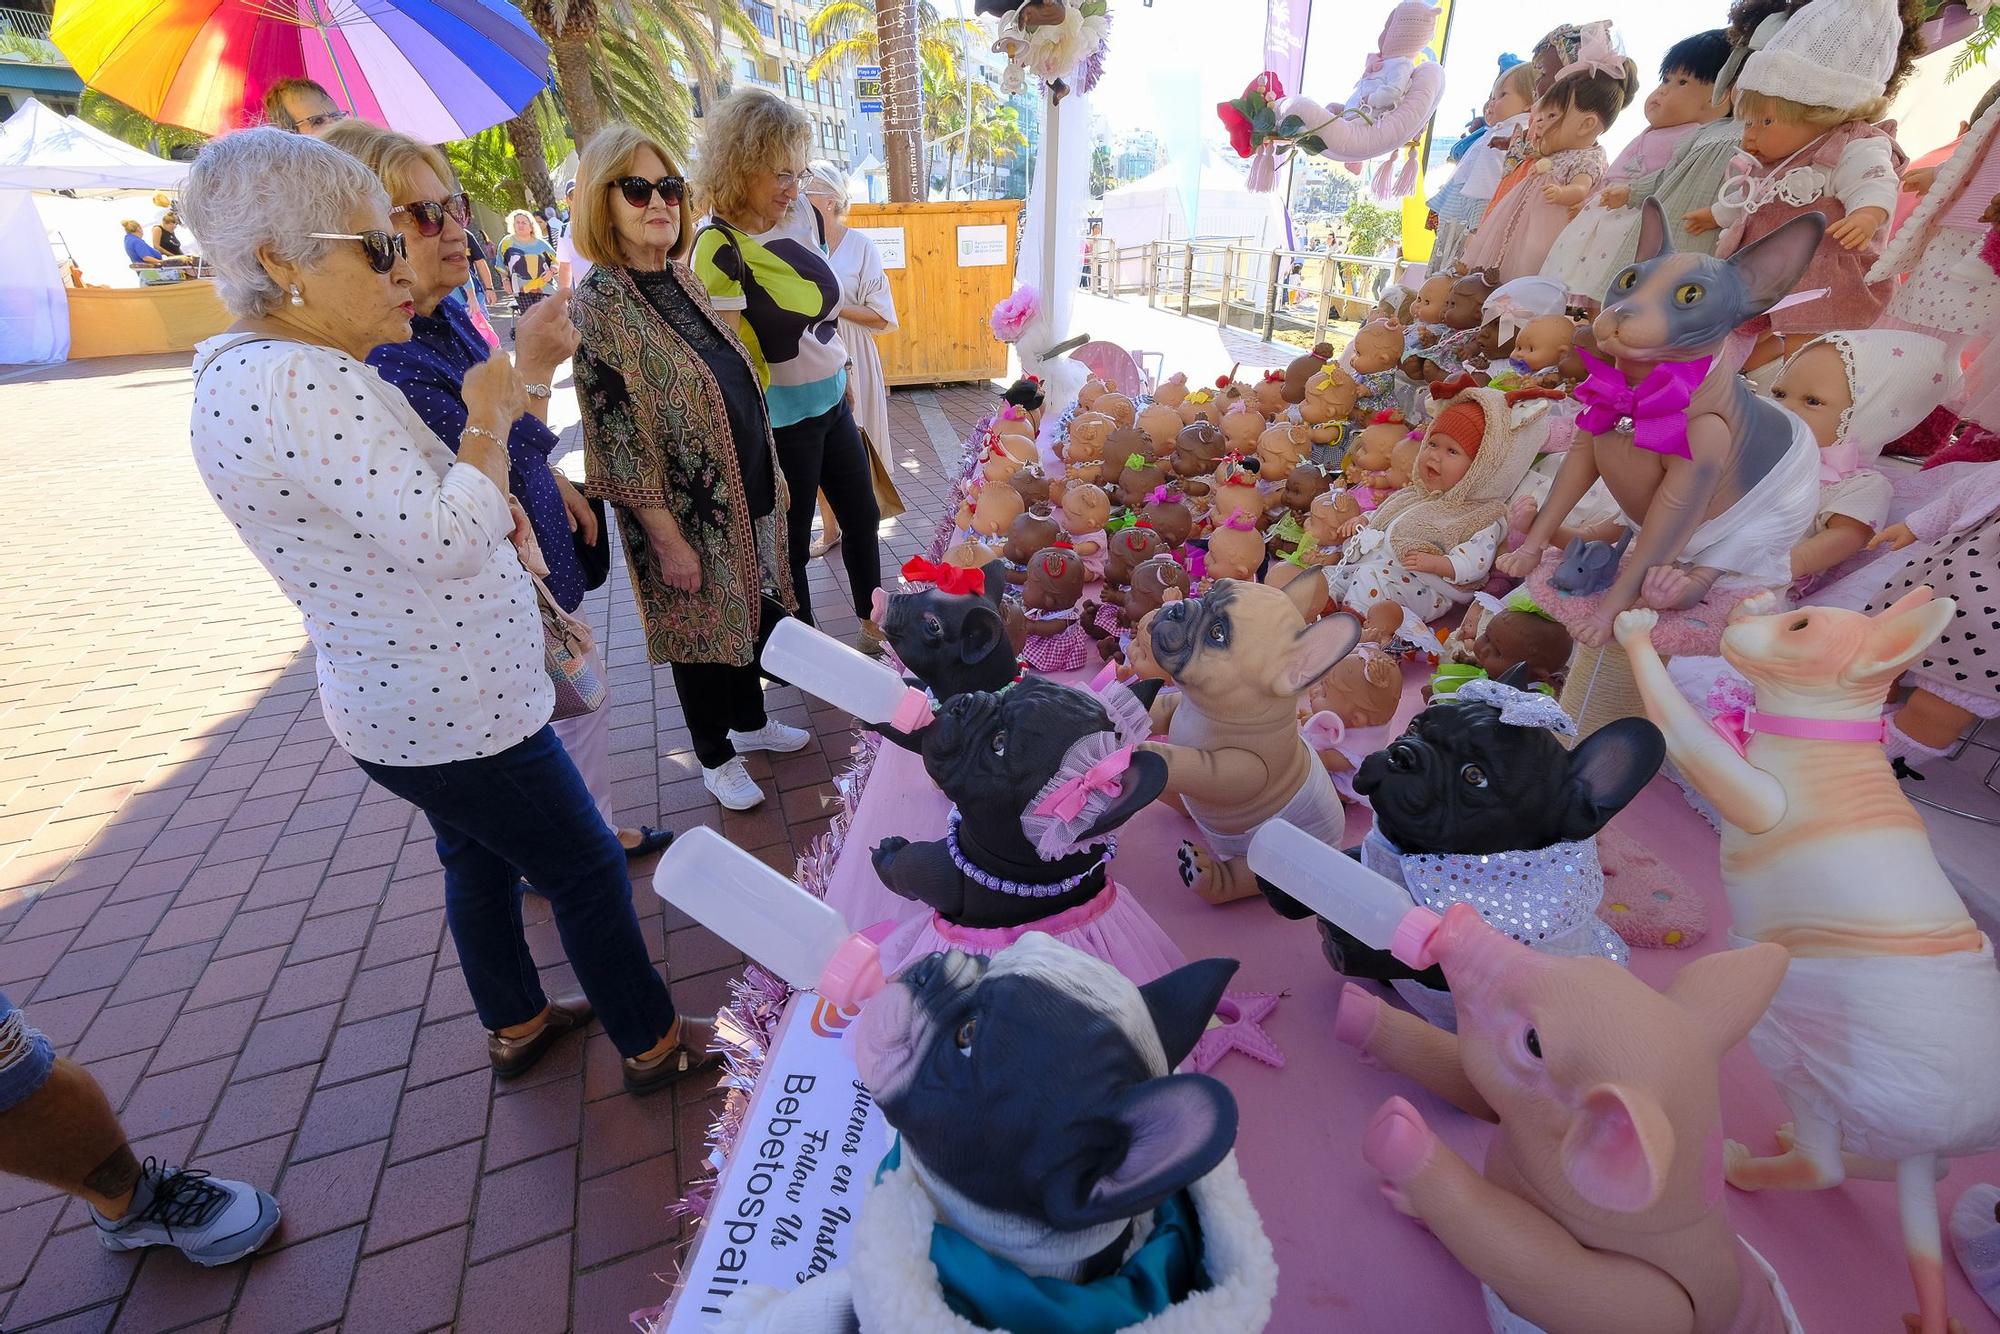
(1678, 438)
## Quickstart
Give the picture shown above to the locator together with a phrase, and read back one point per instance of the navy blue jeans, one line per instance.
(525, 814)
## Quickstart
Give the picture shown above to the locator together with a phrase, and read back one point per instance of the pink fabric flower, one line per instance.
(1015, 313)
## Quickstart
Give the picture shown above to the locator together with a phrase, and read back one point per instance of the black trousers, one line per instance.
(719, 697)
(825, 453)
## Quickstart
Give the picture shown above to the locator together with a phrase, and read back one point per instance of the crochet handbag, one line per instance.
(566, 646)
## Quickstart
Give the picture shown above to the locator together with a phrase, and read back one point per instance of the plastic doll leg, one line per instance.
(1916, 1201)
(1671, 588)
(1217, 880)
(1930, 721)
(1811, 1161)
(1859, 1168)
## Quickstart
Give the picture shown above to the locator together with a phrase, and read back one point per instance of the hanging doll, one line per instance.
(1691, 177)
(1857, 392)
(1519, 230)
(1046, 626)
(1807, 102)
(1464, 197)
(1950, 288)
(1426, 548)
(1598, 242)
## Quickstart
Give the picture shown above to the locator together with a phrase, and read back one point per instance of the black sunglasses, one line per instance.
(429, 214)
(384, 248)
(638, 191)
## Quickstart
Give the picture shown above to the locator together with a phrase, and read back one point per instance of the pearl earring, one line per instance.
(298, 298)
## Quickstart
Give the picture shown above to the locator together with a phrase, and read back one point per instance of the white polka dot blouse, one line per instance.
(428, 635)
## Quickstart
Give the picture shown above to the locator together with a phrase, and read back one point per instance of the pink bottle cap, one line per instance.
(854, 973)
(912, 711)
(1412, 941)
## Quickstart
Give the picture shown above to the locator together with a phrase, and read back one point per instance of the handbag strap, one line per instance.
(571, 623)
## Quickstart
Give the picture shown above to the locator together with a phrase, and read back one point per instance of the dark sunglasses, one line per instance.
(638, 191)
(429, 214)
(384, 248)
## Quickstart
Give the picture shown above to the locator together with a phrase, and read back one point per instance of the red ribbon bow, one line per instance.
(948, 578)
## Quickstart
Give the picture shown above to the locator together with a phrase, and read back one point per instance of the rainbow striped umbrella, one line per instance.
(434, 69)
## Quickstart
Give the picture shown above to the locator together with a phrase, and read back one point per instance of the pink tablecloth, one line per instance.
(1347, 1260)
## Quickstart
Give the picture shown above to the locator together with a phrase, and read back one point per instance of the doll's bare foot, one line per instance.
(1384, 619)
(1670, 588)
(1794, 1169)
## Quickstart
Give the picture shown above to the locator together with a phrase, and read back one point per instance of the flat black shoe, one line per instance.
(651, 840)
(643, 1077)
(514, 1057)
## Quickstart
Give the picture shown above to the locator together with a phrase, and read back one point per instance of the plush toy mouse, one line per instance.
(1050, 1172)
(1588, 568)
(948, 631)
(1242, 654)
(1600, 1205)
(1046, 628)
(1478, 802)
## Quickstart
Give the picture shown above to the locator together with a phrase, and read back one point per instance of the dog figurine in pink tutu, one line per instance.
(1882, 1038)
(1041, 775)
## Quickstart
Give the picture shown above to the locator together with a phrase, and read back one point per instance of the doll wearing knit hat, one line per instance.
(1806, 99)
(1428, 546)
(1857, 392)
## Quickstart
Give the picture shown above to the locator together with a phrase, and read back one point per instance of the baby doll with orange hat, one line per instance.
(1429, 546)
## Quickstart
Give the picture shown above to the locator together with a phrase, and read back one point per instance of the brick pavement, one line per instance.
(205, 902)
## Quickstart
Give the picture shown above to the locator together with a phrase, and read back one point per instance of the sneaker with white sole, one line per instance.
(772, 736)
(210, 1220)
(732, 785)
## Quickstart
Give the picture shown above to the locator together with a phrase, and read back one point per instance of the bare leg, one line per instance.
(1812, 1160)
(65, 1135)
(1671, 588)
(1916, 1202)
(1927, 719)
(1521, 519)
(829, 529)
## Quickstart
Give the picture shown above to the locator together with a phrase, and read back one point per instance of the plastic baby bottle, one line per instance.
(1375, 911)
(824, 667)
(786, 930)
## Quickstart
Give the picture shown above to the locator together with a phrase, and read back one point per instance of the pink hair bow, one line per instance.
(1597, 52)
(1066, 803)
(1839, 461)
(1657, 406)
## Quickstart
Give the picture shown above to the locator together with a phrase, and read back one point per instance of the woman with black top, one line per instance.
(677, 438)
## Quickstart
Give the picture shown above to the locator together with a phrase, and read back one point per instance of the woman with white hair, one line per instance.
(398, 555)
(867, 308)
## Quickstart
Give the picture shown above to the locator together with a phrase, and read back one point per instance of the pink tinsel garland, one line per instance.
(744, 1026)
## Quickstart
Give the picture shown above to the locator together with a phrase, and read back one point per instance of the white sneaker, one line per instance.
(772, 736)
(733, 786)
(208, 1219)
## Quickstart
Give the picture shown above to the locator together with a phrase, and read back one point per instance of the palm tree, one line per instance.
(122, 122)
(908, 40)
(615, 58)
(508, 165)
(994, 137)
(570, 27)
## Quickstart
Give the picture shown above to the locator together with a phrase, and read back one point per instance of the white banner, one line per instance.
(890, 243)
(784, 1207)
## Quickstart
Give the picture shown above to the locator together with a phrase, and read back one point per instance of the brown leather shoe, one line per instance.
(514, 1057)
(644, 1076)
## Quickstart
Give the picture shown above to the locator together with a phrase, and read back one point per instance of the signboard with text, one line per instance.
(868, 89)
(890, 243)
(982, 247)
(785, 1204)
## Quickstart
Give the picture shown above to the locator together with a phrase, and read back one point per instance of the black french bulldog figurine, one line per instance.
(992, 754)
(1038, 1118)
(1460, 781)
(953, 643)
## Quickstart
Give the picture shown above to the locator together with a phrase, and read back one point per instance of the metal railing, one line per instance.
(24, 23)
(1288, 295)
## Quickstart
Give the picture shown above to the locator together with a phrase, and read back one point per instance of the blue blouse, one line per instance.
(138, 249)
(430, 369)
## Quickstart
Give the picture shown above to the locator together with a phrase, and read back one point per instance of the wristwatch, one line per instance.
(537, 390)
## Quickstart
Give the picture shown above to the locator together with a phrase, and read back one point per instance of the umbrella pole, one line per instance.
(333, 62)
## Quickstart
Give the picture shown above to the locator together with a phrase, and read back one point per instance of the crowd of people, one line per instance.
(395, 474)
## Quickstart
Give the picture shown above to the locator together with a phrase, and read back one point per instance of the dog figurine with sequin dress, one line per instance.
(1885, 1037)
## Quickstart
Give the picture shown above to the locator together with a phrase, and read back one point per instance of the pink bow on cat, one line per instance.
(1657, 406)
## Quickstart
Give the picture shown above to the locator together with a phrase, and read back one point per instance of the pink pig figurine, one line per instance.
(1600, 1207)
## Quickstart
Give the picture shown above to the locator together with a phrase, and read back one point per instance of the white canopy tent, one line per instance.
(40, 150)
(1155, 207)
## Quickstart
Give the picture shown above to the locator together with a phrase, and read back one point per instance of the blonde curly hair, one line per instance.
(748, 132)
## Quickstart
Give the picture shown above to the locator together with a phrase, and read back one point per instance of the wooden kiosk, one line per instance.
(949, 264)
